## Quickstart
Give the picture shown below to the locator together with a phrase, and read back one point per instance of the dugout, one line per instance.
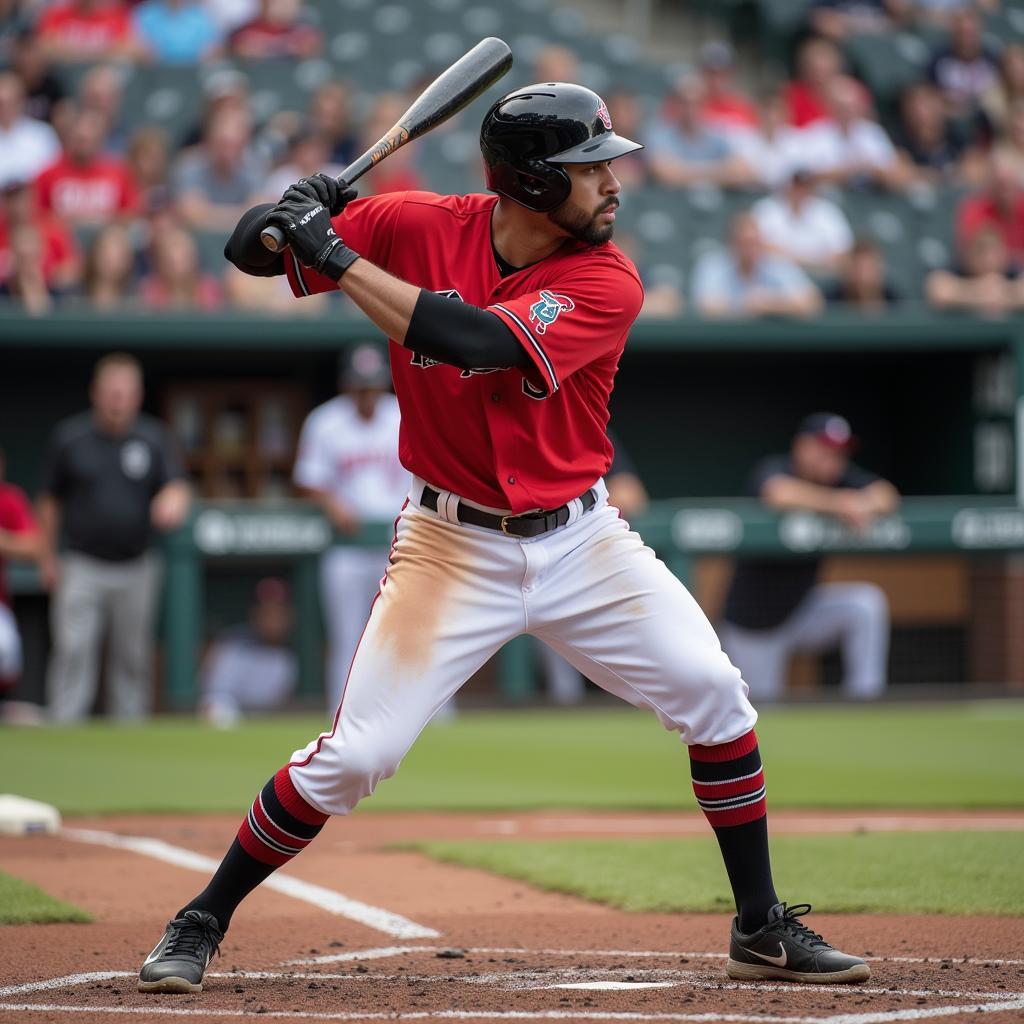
(934, 401)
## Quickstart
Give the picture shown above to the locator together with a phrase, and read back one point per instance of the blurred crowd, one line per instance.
(97, 212)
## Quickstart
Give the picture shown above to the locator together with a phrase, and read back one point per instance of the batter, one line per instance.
(507, 317)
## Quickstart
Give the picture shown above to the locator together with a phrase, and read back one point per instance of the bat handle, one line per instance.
(272, 238)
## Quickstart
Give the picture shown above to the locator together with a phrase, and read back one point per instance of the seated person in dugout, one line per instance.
(775, 607)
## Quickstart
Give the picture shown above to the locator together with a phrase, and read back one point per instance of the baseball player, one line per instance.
(507, 316)
(348, 464)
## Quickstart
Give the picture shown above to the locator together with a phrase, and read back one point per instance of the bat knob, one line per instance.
(272, 238)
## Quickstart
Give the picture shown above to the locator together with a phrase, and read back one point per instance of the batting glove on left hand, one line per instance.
(334, 193)
(306, 225)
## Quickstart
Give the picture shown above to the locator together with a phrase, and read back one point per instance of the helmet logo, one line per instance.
(546, 310)
(606, 118)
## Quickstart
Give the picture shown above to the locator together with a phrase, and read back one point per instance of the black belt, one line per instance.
(529, 524)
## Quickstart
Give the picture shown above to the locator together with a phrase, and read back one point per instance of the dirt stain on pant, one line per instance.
(427, 565)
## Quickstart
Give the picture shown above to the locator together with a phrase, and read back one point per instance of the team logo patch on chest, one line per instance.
(546, 310)
(135, 459)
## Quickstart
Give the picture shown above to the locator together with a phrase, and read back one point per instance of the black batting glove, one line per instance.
(307, 228)
(334, 193)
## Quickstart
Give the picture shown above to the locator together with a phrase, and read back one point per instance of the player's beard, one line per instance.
(582, 225)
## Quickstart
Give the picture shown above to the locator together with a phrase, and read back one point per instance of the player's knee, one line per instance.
(351, 770)
(869, 604)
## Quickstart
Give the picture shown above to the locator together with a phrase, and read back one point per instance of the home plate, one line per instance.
(616, 984)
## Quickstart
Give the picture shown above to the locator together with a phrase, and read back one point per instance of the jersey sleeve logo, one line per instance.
(546, 310)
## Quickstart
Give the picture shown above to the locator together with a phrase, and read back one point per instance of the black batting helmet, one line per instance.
(529, 133)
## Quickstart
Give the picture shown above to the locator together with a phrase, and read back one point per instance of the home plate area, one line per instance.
(426, 983)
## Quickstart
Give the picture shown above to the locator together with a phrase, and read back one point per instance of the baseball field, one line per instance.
(526, 865)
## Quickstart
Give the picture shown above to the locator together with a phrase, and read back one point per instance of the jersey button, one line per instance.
(511, 479)
(495, 397)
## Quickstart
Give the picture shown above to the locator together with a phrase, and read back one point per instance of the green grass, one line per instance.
(954, 755)
(920, 872)
(24, 903)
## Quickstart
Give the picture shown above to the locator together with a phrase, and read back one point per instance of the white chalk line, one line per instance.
(692, 979)
(326, 899)
(884, 1017)
(388, 951)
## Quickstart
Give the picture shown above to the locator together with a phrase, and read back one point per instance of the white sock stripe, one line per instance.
(734, 801)
(725, 782)
(262, 836)
(299, 839)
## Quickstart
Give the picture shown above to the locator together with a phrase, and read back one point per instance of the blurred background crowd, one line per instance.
(855, 152)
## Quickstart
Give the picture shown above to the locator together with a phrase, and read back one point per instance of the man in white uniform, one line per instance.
(348, 464)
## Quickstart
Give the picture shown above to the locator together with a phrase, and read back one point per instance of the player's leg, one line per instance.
(855, 618)
(10, 649)
(133, 603)
(616, 612)
(448, 602)
(77, 614)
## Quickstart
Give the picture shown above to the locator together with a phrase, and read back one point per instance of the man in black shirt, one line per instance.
(112, 478)
(776, 607)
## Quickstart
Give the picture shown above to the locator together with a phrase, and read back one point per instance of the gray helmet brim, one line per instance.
(606, 146)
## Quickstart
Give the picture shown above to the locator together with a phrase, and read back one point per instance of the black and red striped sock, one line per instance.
(729, 783)
(279, 825)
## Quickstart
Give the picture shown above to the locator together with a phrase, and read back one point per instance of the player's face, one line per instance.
(818, 462)
(589, 212)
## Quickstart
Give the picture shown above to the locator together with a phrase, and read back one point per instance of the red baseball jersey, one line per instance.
(15, 517)
(95, 192)
(500, 437)
(95, 30)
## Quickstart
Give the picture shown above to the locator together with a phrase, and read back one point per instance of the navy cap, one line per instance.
(830, 428)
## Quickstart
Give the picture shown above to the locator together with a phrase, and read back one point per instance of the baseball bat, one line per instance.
(452, 90)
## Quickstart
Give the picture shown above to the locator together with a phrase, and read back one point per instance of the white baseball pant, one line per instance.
(453, 594)
(10, 646)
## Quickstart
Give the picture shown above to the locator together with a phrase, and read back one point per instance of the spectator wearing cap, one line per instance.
(862, 286)
(251, 666)
(26, 144)
(82, 31)
(1000, 205)
(348, 465)
(723, 107)
(683, 151)
(177, 31)
(851, 149)
(805, 227)
(280, 31)
(86, 186)
(965, 69)
(777, 607)
(747, 281)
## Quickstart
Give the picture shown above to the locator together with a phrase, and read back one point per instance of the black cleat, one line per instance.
(180, 957)
(786, 949)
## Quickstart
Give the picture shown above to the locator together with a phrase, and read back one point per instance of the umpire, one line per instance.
(112, 476)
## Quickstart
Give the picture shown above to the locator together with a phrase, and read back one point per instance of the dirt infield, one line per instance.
(427, 941)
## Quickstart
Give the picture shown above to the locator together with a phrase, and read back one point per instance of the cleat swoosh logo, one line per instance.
(155, 954)
(779, 961)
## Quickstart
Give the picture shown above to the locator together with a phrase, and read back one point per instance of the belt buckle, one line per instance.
(504, 525)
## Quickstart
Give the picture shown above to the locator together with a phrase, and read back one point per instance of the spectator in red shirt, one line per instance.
(279, 31)
(177, 280)
(1000, 205)
(724, 107)
(818, 63)
(19, 538)
(85, 186)
(80, 31)
(59, 262)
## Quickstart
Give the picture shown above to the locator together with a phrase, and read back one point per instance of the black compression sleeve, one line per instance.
(462, 335)
(245, 249)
